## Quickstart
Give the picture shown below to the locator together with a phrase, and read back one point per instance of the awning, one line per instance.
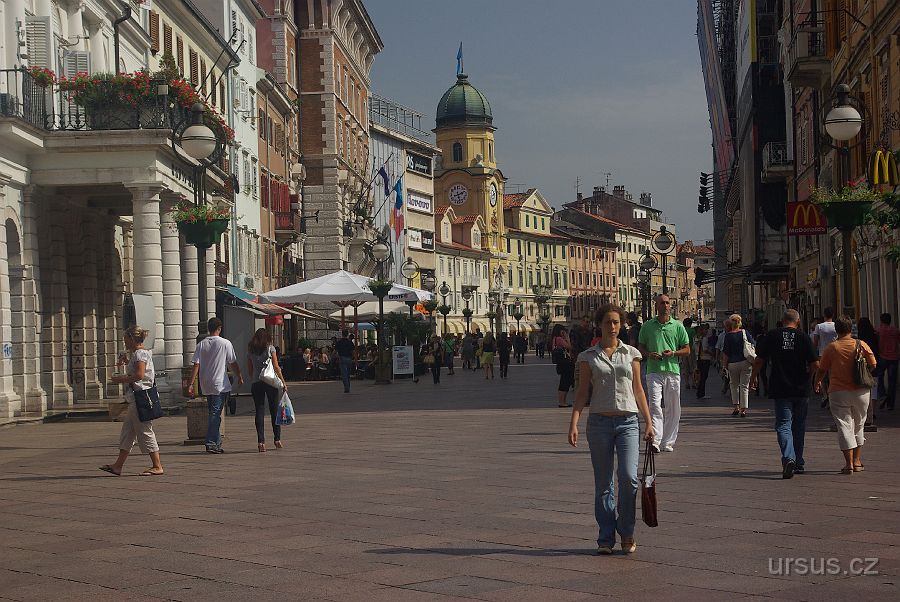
(271, 309)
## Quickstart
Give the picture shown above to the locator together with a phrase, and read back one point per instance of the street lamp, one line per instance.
(444, 309)
(409, 269)
(381, 252)
(199, 142)
(663, 242)
(843, 122)
(467, 296)
(517, 314)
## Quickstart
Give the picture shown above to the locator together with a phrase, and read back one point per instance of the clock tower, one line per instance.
(467, 177)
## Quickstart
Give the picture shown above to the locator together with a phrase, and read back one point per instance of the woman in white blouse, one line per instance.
(617, 397)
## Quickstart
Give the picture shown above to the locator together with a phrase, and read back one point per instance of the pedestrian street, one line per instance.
(465, 490)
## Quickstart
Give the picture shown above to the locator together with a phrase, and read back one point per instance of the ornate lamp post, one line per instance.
(409, 269)
(381, 253)
(200, 142)
(467, 296)
(444, 309)
(662, 243)
(843, 122)
(518, 315)
(648, 265)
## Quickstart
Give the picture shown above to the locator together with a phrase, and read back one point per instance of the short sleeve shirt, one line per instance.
(214, 355)
(612, 378)
(789, 352)
(839, 360)
(888, 338)
(658, 337)
(140, 355)
(827, 335)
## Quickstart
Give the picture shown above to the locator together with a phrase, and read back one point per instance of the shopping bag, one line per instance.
(268, 375)
(648, 489)
(285, 414)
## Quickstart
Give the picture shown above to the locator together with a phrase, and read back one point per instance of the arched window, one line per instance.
(457, 152)
(491, 151)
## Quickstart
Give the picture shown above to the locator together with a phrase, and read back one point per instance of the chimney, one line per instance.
(646, 199)
(619, 191)
(580, 196)
(597, 191)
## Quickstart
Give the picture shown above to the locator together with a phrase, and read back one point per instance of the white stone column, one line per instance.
(172, 305)
(82, 256)
(109, 294)
(55, 310)
(26, 302)
(148, 270)
(189, 299)
(10, 402)
(211, 283)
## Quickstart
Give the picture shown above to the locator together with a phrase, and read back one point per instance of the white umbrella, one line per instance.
(340, 287)
(369, 310)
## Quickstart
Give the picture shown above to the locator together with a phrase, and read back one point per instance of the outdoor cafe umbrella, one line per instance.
(369, 310)
(340, 287)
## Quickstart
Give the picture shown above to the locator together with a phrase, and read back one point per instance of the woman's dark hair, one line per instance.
(866, 330)
(843, 325)
(260, 342)
(607, 308)
(558, 330)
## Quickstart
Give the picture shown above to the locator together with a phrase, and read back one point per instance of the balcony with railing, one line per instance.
(807, 62)
(777, 162)
(396, 117)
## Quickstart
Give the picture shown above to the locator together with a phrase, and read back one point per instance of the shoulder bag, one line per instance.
(147, 403)
(861, 375)
(749, 350)
(268, 375)
(648, 488)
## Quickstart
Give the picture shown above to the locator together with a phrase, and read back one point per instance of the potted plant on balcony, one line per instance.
(110, 101)
(846, 208)
(202, 225)
(42, 76)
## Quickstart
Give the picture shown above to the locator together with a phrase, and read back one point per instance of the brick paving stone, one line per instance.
(415, 492)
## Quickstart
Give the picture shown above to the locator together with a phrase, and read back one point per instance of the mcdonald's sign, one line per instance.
(804, 219)
(883, 169)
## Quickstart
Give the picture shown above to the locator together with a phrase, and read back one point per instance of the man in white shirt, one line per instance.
(211, 357)
(823, 336)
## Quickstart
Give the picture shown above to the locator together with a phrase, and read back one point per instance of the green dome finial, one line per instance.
(463, 105)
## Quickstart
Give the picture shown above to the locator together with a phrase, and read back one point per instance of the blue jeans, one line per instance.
(215, 403)
(608, 436)
(790, 426)
(346, 366)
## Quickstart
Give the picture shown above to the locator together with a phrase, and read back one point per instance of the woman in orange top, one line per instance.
(849, 401)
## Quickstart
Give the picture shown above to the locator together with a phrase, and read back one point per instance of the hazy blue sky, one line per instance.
(577, 88)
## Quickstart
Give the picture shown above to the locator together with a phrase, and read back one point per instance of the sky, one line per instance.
(578, 89)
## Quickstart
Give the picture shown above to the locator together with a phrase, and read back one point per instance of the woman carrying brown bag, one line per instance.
(848, 399)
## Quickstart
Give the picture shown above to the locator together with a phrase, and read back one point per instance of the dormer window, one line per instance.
(446, 234)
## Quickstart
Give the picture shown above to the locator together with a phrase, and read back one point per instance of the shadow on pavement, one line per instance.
(484, 551)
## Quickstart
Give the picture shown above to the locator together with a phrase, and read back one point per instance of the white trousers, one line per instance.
(664, 387)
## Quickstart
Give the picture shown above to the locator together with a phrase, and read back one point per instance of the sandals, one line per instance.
(743, 413)
(735, 414)
(279, 445)
(108, 468)
(846, 470)
(859, 468)
(261, 447)
(152, 472)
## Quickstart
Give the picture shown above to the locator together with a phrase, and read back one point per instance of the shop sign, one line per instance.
(402, 359)
(7, 351)
(414, 238)
(419, 202)
(418, 164)
(427, 240)
(804, 219)
(812, 275)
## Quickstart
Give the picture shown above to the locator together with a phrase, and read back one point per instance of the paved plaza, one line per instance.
(463, 491)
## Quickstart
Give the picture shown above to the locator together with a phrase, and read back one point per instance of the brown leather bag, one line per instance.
(648, 488)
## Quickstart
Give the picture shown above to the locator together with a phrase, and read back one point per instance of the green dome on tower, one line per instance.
(463, 105)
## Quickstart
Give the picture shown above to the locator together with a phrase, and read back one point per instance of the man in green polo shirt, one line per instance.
(662, 342)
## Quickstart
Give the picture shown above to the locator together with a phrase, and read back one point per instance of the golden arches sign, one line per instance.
(804, 219)
(883, 169)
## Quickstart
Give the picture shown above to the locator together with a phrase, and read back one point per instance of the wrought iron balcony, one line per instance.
(287, 226)
(807, 63)
(49, 108)
(777, 163)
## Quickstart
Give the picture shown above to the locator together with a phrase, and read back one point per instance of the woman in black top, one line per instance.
(867, 334)
(504, 348)
(436, 352)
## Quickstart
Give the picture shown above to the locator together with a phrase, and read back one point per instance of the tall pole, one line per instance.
(665, 287)
(847, 245)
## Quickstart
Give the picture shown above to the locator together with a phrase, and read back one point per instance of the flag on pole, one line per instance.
(386, 179)
(459, 60)
(397, 213)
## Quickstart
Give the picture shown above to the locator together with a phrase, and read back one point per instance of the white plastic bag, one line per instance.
(268, 375)
(285, 414)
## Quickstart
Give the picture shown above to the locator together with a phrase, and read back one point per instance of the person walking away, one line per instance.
(823, 336)
(793, 361)
(689, 362)
(848, 400)
(720, 344)
(867, 333)
(611, 379)
(477, 347)
(488, 349)
(737, 365)
(504, 347)
(436, 352)
(663, 341)
(561, 353)
(345, 348)
(706, 350)
(449, 351)
(139, 375)
(259, 351)
(888, 340)
(540, 345)
(634, 329)
(467, 351)
(520, 346)
(212, 357)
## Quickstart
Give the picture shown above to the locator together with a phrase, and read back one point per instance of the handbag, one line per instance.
(749, 350)
(648, 488)
(285, 414)
(428, 360)
(861, 375)
(268, 376)
(147, 403)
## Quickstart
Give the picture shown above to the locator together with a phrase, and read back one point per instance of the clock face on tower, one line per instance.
(493, 195)
(458, 194)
